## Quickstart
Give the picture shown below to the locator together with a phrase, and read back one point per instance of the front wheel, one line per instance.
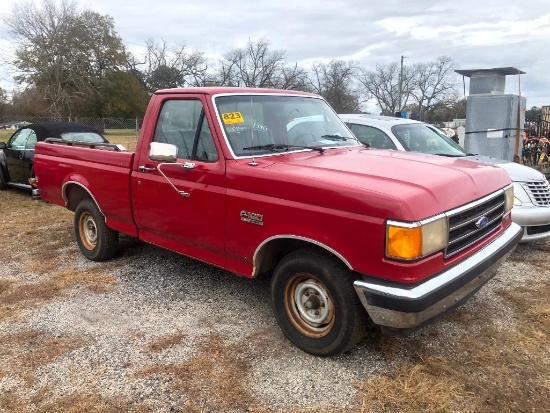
(315, 303)
(96, 241)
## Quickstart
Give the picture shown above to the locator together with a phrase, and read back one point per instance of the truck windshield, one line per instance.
(421, 137)
(266, 124)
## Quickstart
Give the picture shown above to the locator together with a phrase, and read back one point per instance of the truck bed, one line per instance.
(104, 174)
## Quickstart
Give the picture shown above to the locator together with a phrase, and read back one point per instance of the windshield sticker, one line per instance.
(232, 117)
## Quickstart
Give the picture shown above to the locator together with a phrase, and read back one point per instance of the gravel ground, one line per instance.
(158, 294)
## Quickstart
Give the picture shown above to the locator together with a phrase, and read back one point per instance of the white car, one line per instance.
(531, 189)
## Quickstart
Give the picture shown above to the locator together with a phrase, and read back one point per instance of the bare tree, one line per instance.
(63, 52)
(292, 77)
(334, 81)
(28, 101)
(426, 84)
(383, 85)
(3, 101)
(434, 82)
(257, 66)
(165, 66)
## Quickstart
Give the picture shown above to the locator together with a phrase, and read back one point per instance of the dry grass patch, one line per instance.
(213, 380)
(490, 371)
(165, 342)
(413, 388)
(33, 232)
(9, 402)
(87, 403)
(5, 285)
(16, 297)
(34, 235)
(26, 351)
(77, 403)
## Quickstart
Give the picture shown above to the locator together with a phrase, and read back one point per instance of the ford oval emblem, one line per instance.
(482, 222)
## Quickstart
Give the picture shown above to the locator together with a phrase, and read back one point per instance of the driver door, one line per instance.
(19, 156)
(181, 206)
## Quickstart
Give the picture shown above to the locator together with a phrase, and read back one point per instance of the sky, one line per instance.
(476, 34)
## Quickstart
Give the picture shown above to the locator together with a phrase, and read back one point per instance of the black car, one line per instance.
(16, 156)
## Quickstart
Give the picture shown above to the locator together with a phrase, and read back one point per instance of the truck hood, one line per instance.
(394, 184)
(517, 172)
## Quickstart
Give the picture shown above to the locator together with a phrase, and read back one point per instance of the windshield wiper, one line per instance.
(448, 155)
(335, 137)
(281, 147)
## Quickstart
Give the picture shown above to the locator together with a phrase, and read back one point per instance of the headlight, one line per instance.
(410, 241)
(508, 198)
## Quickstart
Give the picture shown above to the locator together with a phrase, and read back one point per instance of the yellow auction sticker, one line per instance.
(232, 117)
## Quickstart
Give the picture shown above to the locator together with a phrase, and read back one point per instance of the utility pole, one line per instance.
(400, 86)
(517, 154)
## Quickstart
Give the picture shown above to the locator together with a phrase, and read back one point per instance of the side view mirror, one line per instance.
(3, 145)
(163, 152)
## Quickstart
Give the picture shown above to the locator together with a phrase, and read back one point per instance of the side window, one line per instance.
(360, 133)
(206, 150)
(19, 139)
(31, 141)
(372, 137)
(183, 123)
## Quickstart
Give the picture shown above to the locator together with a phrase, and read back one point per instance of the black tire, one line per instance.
(96, 241)
(3, 184)
(315, 303)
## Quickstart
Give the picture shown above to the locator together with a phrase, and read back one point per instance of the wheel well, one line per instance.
(269, 254)
(74, 194)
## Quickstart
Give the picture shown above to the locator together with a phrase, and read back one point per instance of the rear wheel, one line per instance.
(315, 303)
(96, 241)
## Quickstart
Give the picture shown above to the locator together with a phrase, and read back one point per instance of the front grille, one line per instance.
(540, 229)
(472, 222)
(538, 191)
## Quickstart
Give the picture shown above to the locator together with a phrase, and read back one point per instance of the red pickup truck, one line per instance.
(271, 181)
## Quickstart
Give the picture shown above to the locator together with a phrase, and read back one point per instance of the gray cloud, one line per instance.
(476, 34)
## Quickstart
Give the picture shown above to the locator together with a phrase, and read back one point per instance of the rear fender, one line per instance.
(73, 192)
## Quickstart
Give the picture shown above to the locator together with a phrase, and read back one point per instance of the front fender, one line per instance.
(266, 254)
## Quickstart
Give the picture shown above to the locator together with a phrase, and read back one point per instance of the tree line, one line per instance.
(72, 62)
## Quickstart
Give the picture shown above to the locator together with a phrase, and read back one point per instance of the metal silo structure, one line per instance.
(494, 120)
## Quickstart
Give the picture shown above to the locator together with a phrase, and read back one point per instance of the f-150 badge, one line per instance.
(253, 218)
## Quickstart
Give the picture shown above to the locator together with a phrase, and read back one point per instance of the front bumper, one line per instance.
(401, 309)
(535, 221)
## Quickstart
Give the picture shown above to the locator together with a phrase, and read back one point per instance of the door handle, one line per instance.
(188, 165)
(143, 168)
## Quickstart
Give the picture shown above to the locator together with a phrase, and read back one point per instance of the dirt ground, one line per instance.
(153, 331)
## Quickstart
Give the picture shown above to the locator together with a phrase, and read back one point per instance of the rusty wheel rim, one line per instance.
(309, 305)
(88, 231)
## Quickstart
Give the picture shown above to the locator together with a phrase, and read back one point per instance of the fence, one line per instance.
(103, 124)
(116, 130)
(539, 126)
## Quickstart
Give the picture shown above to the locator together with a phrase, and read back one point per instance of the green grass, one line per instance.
(5, 134)
(121, 132)
(129, 142)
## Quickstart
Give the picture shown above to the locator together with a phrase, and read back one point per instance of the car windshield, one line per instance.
(267, 124)
(421, 137)
(82, 137)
